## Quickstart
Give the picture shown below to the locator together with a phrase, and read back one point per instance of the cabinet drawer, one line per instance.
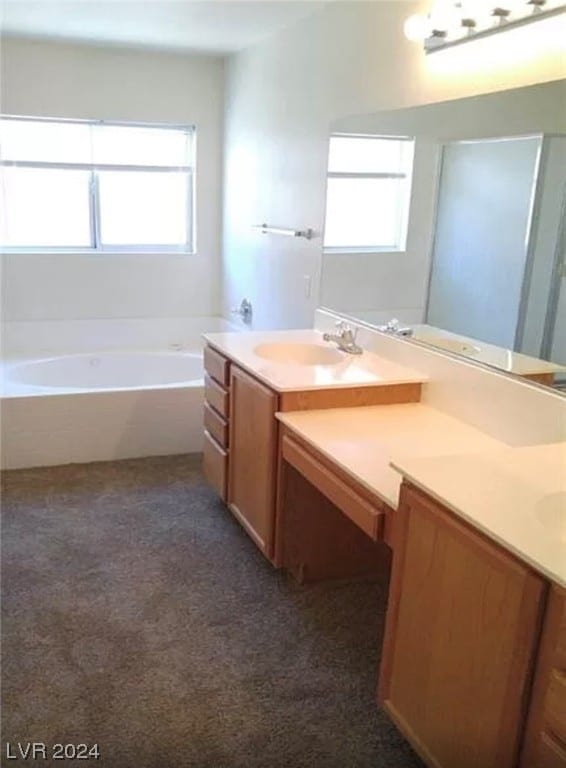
(560, 645)
(217, 366)
(216, 396)
(215, 465)
(549, 753)
(216, 425)
(366, 516)
(555, 704)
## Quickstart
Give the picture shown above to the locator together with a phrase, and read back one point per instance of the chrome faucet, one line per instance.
(394, 328)
(345, 338)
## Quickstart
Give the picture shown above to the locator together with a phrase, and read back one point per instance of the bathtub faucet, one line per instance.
(245, 310)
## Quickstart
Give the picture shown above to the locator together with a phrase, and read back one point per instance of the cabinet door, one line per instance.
(252, 466)
(545, 741)
(461, 633)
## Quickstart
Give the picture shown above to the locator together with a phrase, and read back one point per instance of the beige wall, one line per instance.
(282, 96)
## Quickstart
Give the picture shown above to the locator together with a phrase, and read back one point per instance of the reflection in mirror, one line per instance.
(476, 262)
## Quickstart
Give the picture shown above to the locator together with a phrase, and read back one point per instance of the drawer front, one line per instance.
(215, 465)
(555, 704)
(366, 516)
(216, 426)
(549, 753)
(217, 366)
(560, 646)
(216, 396)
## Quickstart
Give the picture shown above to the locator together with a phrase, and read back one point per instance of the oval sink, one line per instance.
(551, 512)
(299, 354)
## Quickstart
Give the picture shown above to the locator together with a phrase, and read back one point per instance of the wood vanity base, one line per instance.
(327, 526)
(241, 442)
(317, 542)
(461, 637)
(541, 378)
(349, 397)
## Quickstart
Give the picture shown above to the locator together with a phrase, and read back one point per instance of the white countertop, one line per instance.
(517, 496)
(503, 491)
(480, 351)
(365, 370)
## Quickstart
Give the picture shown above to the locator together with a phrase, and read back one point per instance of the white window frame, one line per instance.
(189, 247)
(402, 248)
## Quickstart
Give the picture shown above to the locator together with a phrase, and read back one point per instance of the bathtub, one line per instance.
(104, 371)
(101, 390)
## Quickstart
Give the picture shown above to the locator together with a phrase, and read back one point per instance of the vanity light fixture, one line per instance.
(452, 22)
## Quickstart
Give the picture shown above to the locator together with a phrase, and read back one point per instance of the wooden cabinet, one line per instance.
(215, 465)
(473, 666)
(216, 425)
(216, 396)
(240, 448)
(252, 466)
(328, 526)
(240, 444)
(545, 741)
(461, 637)
(216, 410)
(217, 366)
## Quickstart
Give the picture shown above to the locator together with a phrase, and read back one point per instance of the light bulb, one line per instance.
(417, 28)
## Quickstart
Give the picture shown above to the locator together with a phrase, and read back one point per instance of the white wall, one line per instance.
(81, 81)
(376, 287)
(282, 96)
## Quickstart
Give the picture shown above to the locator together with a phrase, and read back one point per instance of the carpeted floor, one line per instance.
(139, 616)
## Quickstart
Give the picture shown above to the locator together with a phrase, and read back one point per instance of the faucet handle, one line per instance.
(344, 327)
(346, 331)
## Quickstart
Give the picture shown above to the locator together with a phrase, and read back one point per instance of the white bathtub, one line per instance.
(101, 390)
(104, 371)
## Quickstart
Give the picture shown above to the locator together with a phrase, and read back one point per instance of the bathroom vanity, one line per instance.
(244, 389)
(330, 484)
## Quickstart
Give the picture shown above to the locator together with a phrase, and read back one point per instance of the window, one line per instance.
(95, 186)
(368, 192)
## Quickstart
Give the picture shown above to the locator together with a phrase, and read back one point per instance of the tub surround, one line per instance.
(106, 371)
(118, 417)
(31, 339)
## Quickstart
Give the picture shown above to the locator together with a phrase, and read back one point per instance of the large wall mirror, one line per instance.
(451, 218)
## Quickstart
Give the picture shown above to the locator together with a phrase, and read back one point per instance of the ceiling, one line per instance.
(208, 26)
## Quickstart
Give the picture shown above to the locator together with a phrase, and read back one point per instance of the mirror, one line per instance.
(479, 269)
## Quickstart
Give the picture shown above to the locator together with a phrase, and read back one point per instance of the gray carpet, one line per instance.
(139, 616)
